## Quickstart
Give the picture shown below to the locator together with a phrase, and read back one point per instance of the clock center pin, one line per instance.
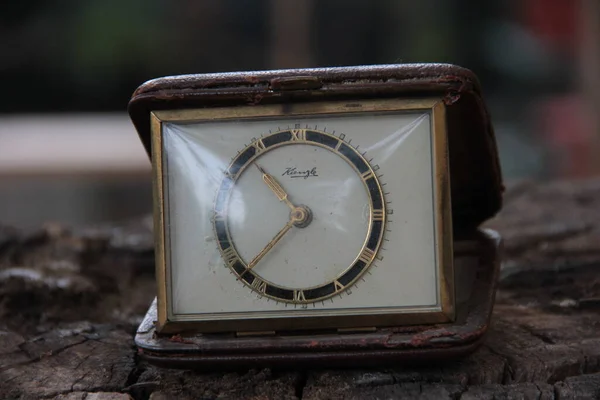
(301, 216)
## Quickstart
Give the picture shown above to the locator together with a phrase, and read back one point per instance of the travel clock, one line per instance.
(319, 215)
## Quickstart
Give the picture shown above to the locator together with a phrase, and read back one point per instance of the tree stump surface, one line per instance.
(71, 300)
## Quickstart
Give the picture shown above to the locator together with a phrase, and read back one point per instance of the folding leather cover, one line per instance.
(475, 173)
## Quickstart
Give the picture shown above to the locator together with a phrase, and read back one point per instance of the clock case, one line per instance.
(476, 195)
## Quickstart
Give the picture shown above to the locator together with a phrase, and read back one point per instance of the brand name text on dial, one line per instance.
(294, 172)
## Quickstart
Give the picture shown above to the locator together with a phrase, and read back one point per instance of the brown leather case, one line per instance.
(476, 191)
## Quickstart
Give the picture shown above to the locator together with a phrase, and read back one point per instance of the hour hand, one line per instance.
(275, 187)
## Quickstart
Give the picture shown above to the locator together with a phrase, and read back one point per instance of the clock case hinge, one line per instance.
(338, 330)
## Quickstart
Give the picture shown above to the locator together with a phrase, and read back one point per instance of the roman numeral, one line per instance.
(218, 216)
(230, 175)
(378, 215)
(299, 295)
(259, 285)
(229, 256)
(367, 175)
(338, 286)
(298, 134)
(259, 146)
(366, 255)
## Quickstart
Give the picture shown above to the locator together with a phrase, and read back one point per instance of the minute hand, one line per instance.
(272, 243)
(275, 187)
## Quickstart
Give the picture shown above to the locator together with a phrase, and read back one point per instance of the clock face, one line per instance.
(308, 216)
(290, 165)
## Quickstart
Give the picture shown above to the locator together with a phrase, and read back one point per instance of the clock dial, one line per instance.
(286, 177)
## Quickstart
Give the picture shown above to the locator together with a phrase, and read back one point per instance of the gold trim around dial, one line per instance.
(443, 311)
(375, 230)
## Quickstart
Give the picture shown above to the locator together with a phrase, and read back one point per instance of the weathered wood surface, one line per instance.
(70, 303)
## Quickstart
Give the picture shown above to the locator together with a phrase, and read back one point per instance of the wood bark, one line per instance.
(70, 301)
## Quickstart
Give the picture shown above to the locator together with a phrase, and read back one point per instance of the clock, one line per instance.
(294, 275)
(310, 214)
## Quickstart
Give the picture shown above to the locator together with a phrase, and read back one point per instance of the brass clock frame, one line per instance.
(442, 312)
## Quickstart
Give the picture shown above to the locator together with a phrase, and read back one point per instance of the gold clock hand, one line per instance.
(275, 187)
(272, 243)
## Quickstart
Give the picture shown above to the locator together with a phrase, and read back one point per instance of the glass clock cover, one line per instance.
(321, 211)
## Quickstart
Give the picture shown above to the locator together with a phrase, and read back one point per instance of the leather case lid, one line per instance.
(476, 181)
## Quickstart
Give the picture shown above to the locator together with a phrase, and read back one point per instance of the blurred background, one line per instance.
(69, 153)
